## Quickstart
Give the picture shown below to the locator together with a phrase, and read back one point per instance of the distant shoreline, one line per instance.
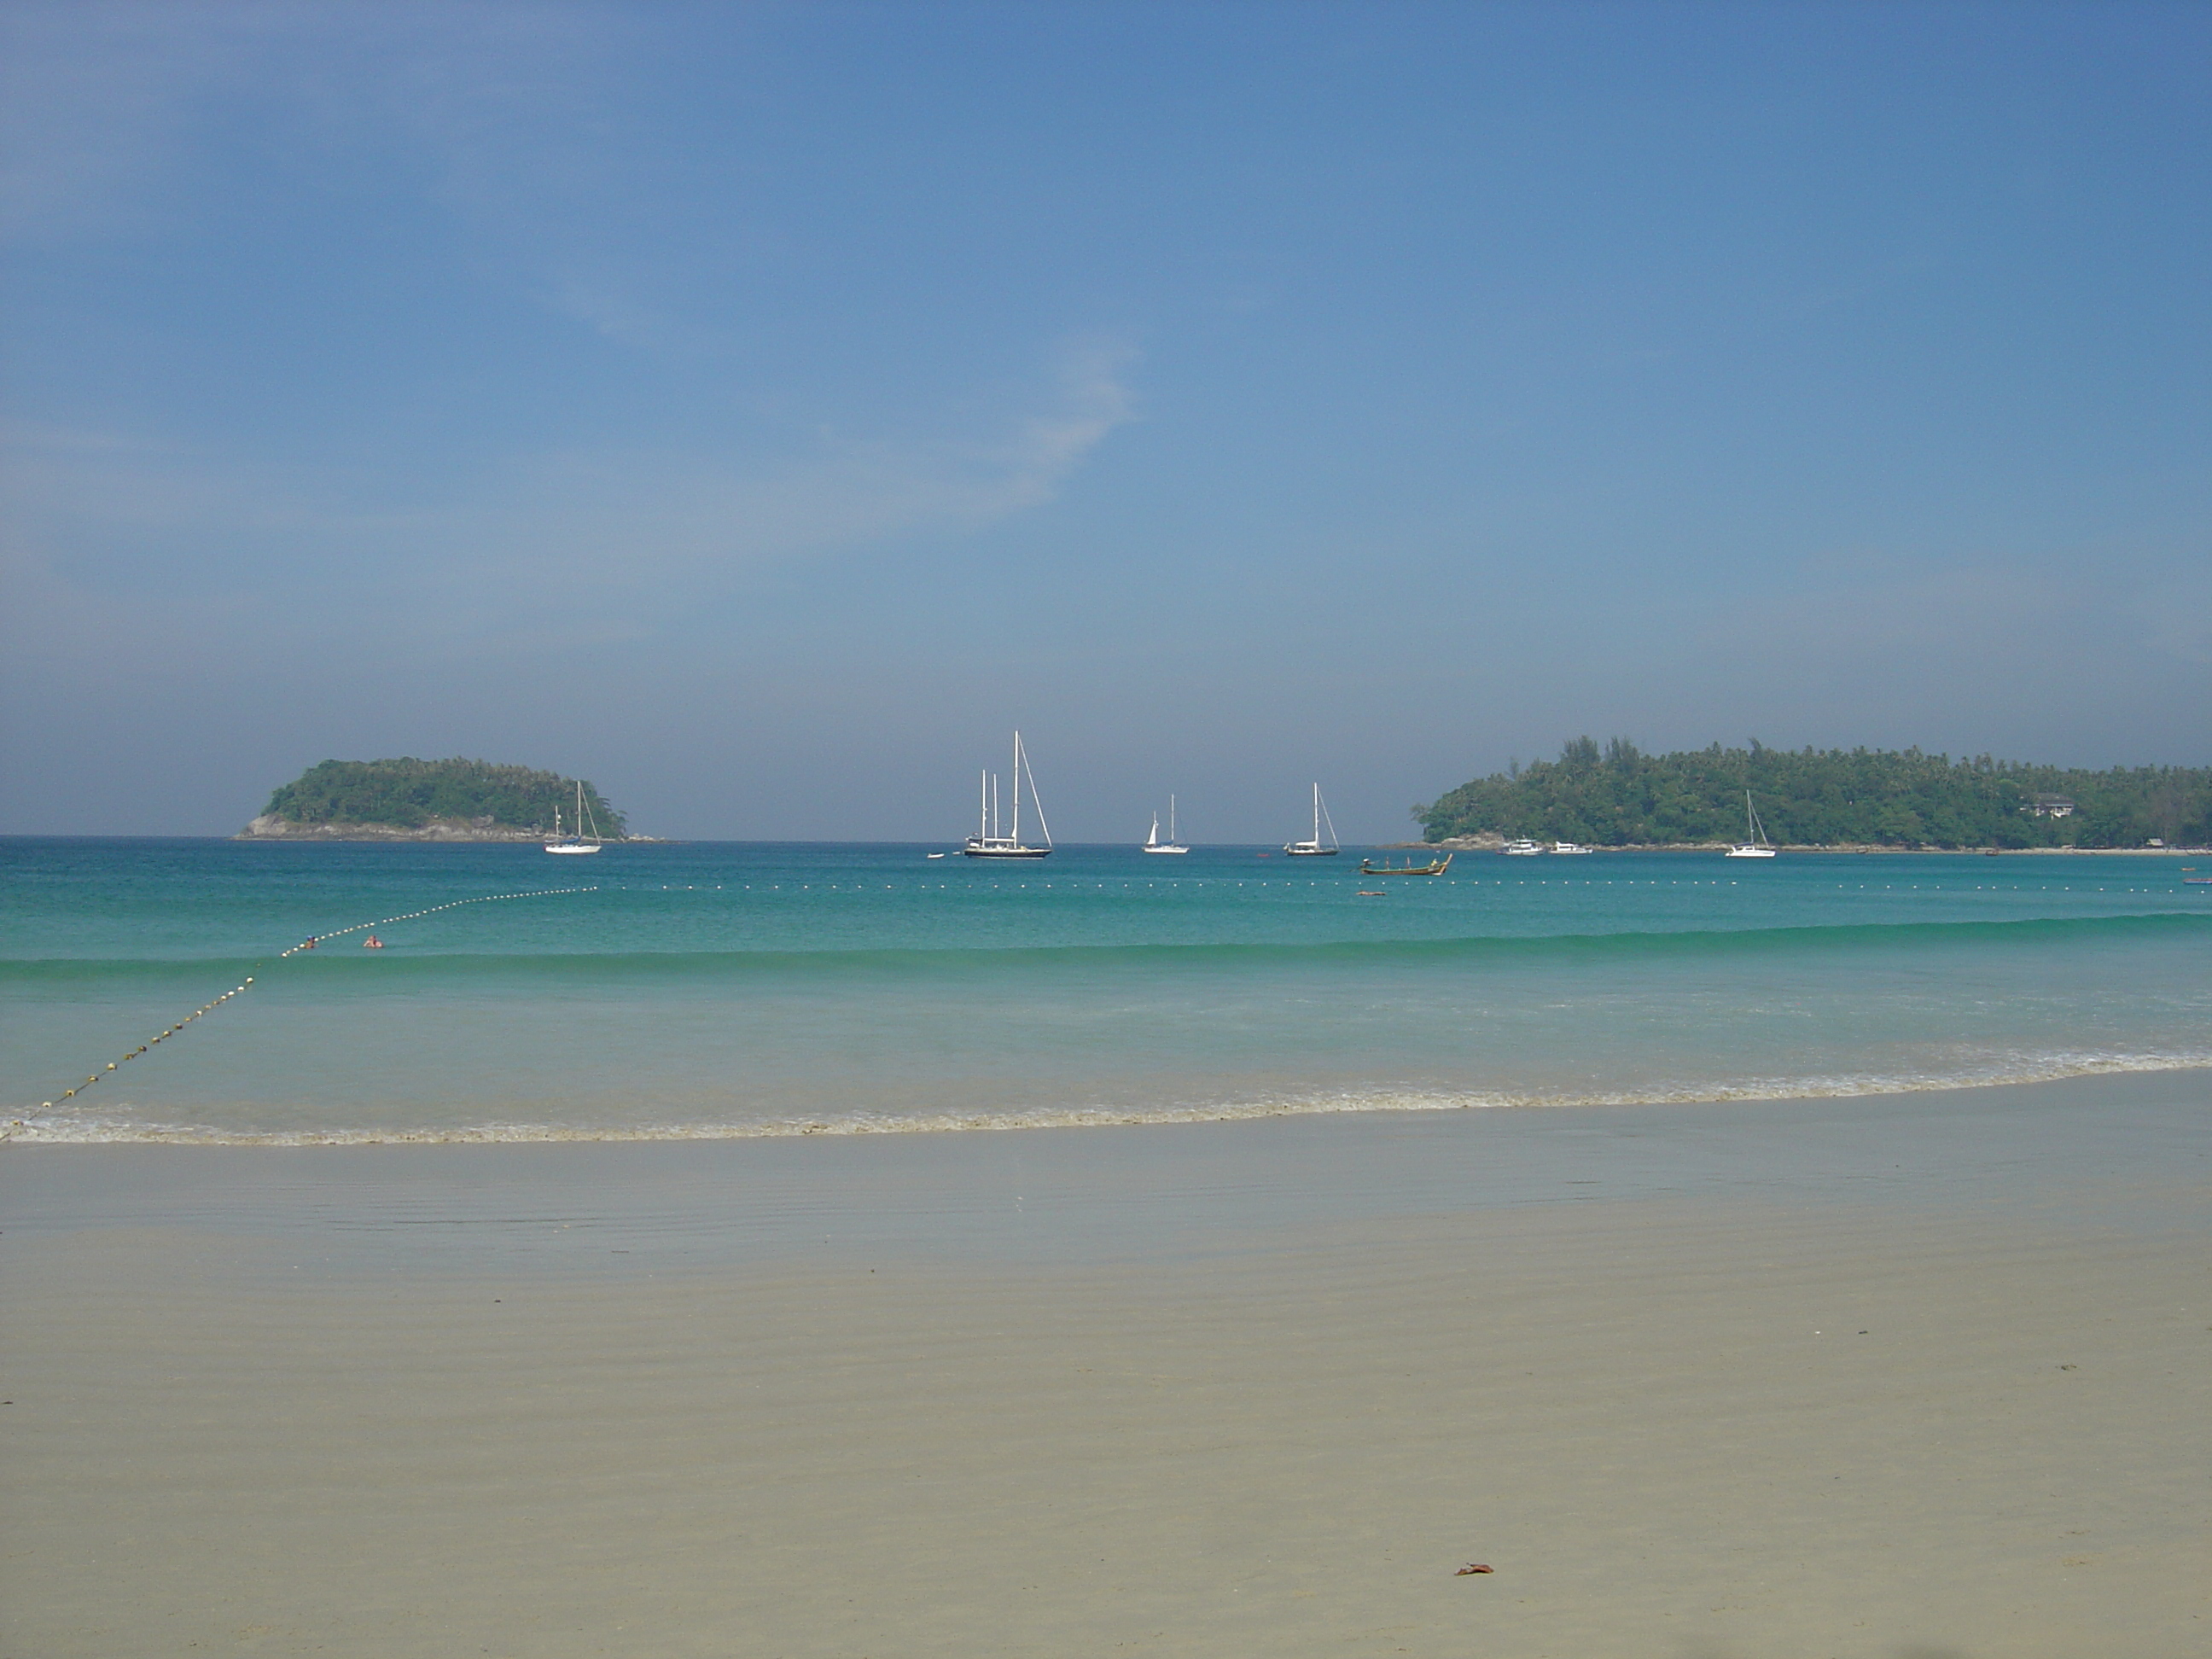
(456, 833)
(452, 831)
(1459, 844)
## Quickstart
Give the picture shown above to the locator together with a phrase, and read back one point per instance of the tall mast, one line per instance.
(1316, 835)
(1037, 801)
(1018, 789)
(1171, 820)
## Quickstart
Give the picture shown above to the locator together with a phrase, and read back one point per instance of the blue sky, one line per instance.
(761, 409)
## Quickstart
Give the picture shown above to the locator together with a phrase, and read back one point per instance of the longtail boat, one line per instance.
(1433, 867)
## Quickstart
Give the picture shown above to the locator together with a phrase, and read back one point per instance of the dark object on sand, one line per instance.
(1472, 1566)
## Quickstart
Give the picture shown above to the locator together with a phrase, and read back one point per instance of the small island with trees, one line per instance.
(435, 800)
(1858, 798)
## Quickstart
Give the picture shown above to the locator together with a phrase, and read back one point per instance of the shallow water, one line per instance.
(739, 989)
(2108, 1155)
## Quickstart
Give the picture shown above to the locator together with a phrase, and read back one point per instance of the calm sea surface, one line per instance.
(741, 989)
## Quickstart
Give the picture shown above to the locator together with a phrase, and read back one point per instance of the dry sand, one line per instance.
(1693, 1427)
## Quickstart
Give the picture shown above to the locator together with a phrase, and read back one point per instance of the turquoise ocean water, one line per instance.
(719, 989)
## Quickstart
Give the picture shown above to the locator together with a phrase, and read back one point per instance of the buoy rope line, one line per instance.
(239, 989)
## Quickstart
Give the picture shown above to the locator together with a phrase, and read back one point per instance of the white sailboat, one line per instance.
(1315, 848)
(988, 842)
(1154, 844)
(1754, 845)
(576, 842)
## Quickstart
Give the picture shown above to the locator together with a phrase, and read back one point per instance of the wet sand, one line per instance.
(449, 1410)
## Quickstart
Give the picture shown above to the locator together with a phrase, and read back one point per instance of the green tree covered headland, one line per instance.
(1618, 796)
(408, 793)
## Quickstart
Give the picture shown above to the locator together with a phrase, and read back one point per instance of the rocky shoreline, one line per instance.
(1496, 844)
(268, 827)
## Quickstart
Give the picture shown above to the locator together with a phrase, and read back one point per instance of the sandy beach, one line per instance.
(1840, 1377)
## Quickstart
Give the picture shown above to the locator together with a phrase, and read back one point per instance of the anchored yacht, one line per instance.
(1754, 844)
(577, 842)
(1315, 848)
(993, 840)
(1154, 844)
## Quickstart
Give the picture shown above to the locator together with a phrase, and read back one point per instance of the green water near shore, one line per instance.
(710, 990)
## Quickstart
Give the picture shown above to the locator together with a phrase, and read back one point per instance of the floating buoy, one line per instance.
(372, 942)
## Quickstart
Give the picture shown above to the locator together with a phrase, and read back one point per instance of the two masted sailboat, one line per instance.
(1153, 842)
(578, 842)
(996, 840)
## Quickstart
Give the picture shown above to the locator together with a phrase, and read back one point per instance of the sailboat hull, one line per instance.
(1315, 847)
(1754, 844)
(1153, 842)
(989, 842)
(576, 842)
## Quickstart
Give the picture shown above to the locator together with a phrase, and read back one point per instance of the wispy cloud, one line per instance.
(511, 119)
(642, 534)
(687, 523)
(103, 102)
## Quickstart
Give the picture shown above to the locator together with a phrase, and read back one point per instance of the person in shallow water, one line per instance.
(372, 943)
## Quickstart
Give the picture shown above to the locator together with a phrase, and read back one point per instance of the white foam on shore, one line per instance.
(60, 1129)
